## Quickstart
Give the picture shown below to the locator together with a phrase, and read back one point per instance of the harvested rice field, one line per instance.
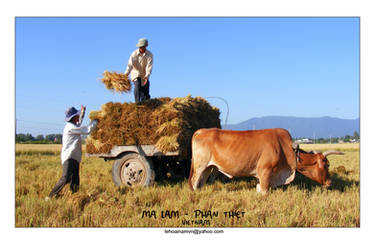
(171, 203)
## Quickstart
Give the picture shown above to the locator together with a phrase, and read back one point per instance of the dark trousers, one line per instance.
(141, 93)
(70, 174)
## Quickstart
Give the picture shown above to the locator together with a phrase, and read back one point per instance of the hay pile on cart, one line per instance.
(164, 122)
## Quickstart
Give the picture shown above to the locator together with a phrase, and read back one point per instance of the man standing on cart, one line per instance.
(140, 67)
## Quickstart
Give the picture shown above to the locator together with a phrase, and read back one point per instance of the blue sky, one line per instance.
(306, 67)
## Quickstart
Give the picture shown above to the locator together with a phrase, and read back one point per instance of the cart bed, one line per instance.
(144, 150)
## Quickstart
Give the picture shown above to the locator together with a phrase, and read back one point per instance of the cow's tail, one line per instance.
(193, 148)
(191, 174)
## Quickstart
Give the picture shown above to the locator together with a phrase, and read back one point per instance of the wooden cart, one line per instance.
(137, 165)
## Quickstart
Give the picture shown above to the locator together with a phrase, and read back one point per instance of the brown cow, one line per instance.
(265, 154)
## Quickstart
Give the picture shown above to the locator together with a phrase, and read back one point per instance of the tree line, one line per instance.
(28, 138)
(346, 139)
(57, 138)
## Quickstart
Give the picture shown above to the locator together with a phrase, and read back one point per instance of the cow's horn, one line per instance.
(329, 152)
(317, 151)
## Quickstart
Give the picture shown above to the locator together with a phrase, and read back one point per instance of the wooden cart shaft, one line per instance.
(144, 150)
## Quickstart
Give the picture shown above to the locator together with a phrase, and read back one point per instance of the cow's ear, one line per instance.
(320, 164)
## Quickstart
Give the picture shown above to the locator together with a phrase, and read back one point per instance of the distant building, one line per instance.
(304, 141)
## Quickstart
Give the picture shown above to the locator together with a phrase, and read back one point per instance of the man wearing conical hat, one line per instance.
(139, 67)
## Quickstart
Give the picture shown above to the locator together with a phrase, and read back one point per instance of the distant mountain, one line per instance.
(321, 127)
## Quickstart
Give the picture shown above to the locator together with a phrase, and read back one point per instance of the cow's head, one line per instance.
(315, 164)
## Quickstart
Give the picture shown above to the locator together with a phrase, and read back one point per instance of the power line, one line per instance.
(61, 100)
(48, 127)
(39, 122)
(39, 128)
(220, 98)
(49, 105)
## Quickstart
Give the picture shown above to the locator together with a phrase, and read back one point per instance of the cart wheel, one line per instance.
(133, 170)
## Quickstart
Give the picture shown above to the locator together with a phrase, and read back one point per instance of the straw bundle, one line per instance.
(164, 122)
(117, 82)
